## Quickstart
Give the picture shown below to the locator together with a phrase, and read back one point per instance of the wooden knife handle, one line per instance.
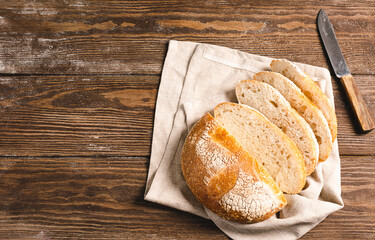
(358, 105)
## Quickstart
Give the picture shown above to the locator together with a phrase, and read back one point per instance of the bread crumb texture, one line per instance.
(266, 142)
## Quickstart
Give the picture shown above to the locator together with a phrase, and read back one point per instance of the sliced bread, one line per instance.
(310, 89)
(307, 109)
(225, 178)
(268, 101)
(266, 142)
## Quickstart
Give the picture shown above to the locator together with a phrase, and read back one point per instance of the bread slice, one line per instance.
(225, 178)
(307, 109)
(310, 89)
(266, 142)
(268, 101)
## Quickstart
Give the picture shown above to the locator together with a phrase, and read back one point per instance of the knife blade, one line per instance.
(341, 70)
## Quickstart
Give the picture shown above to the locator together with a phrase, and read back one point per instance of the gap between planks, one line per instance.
(122, 156)
(118, 74)
(76, 75)
(72, 156)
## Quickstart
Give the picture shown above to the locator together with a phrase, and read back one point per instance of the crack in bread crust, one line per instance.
(225, 178)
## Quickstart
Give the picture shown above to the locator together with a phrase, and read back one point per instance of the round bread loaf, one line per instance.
(225, 178)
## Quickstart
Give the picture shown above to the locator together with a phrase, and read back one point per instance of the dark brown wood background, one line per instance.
(78, 84)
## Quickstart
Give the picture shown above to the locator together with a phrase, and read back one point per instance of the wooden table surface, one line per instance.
(78, 85)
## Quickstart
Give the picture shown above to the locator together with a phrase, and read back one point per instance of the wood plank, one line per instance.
(85, 198)
(113, 115)
(102, 198)
(62, 37)
(86, 115)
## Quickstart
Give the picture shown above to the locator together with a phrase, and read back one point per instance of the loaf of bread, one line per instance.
(266, 142)
(310, 89)
(239, 163)
(268, 101)
(307, 109)
(225, 178)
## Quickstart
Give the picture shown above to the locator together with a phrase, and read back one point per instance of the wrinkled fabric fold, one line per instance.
(195, 78)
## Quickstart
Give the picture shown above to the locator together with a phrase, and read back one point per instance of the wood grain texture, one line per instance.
(113, 115)
(358, 105)
(85, 115)
(102, 198)
(130, 37)
(90, 198)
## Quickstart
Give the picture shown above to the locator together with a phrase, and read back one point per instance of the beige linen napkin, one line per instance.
(197, 77)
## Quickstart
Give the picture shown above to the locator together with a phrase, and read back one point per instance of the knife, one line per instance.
(341, 70)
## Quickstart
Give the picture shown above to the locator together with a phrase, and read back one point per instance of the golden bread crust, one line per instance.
(225, 178)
